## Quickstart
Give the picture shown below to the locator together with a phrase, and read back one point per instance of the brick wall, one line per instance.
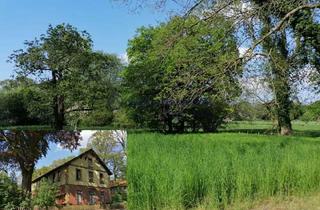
(72, 190)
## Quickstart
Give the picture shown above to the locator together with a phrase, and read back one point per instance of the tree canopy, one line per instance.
(175, 82)
(110, 145)
(278, 40)
(73, 76)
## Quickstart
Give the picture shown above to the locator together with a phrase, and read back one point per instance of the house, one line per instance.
(83, 180)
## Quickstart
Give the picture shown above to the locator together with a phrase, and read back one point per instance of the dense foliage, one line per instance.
(180, 84)
(11, 196)
(74, 78)
(110, 145)
(45, 194)
(311, 112)
(23, 102)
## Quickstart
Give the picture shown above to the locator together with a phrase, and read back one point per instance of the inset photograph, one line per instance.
(63, 169)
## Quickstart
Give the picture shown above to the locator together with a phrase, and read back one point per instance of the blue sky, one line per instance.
(110, 24)
(56, 152)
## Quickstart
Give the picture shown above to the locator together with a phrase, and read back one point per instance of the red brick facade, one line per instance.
(83, 195)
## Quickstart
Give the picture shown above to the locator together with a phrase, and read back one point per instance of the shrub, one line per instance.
(11, 196)
(45, 194)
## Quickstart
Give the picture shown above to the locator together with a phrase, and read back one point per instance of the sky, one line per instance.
(110, 23)
(56, 152)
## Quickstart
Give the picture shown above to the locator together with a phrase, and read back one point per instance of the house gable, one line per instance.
(66, 172)
(87, 170)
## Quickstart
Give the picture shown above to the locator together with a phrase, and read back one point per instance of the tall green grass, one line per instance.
(217, 170)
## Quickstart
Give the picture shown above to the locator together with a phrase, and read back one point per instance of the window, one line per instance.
(102, 198)
(101, 179)
(79, 197)
(90, 176)
(78, 174)
(92, 199)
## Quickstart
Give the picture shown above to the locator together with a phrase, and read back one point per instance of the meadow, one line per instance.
(239, 165)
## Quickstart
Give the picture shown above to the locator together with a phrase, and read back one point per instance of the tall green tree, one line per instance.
(110, 146)
(179, 77)
(22, 149)
(286, 60)
(73, 75)
(283, 34)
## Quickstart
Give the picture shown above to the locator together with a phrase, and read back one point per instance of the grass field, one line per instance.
(233, 169)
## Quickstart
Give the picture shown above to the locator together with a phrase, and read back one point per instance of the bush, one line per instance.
(11, 196)
(311, 112)
(117, 198)
(45, 194)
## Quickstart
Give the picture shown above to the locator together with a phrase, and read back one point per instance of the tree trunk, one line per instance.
(59, 111)
(58, 103)
(283, 108)
(26, 179)
(280, 73)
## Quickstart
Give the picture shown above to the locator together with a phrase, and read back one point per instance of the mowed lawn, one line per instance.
(227, 170)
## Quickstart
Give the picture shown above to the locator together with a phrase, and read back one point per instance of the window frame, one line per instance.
(79, 201)
(92, 199)
(101, 178)
(91, 178)
(102, 197)
(78, 178)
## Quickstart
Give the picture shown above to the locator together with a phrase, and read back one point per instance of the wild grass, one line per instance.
(216, 171)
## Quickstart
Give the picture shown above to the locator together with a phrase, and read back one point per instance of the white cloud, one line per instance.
(124, 58)
(86, 135)
(242, 51)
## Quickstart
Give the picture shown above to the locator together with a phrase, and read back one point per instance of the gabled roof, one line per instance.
(69, 161)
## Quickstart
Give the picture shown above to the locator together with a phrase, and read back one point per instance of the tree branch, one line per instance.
(249, 51)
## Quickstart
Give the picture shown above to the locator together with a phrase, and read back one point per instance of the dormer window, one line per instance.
(101, 178)
(78, 174)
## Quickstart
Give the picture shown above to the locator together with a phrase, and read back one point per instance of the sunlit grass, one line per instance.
(214, 171)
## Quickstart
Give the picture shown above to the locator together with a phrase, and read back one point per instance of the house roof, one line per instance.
(69, 161)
